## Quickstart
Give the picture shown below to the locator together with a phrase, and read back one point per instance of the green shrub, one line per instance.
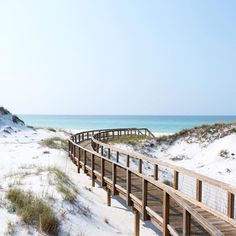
(34, 210)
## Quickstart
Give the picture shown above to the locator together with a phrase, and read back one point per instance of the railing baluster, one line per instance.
(198, 190)
(127, 160)
(144, 199)
(136, 222)
(85, 160)
(113, 178)
(176, 179)
(140, 163)
(128, 187)
(92, 167)
(117, 157)
(186, 223)
(102, 171)
(166, 209)
(155, 172)
(230, 208)
(78, 160)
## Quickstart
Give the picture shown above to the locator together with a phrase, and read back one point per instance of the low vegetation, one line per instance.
(201, 134)
(64, 184)
(55, 143)
(52, 130)
(132, 140)
(33, 210)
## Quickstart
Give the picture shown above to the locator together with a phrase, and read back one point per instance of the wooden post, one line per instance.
(102, 150)
(230, 208)
(113, 179)
(186, 223)
(117, 157)
(144, 199)
(136, 222)
(68, 148)
(102, 171)
(128, 187)
(176, 179)
(74, 154)
(155, 172)
(92, 167)
(108, 197)
(109, 153)
(166, 209)
(198, 190)
(78, 161)
(127, 161)
(85, 160)
(140, 162)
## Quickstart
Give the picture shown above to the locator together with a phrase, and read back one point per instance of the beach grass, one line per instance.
(64, 184)
(55, 143)
(132, 140)
(34, 211)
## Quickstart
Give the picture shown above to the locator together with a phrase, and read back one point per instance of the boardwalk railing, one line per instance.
(167, 207)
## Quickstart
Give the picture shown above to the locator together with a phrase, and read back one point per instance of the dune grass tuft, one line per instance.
(34, 211)
(64, 184)
(132, 140)
(55, 143)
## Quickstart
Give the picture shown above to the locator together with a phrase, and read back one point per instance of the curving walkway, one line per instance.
(122, 173)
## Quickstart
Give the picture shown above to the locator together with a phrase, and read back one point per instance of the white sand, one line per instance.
(21, 152)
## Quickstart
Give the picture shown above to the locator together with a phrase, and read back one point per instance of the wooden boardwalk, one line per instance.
(169, 209)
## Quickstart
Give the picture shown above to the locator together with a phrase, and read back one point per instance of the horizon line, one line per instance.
(117, 115)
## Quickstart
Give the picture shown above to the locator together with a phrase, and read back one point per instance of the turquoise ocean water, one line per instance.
(162, 124)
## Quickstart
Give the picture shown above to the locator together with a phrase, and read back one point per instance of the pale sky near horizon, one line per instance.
(118, 57)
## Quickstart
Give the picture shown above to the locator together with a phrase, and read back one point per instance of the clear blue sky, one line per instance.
(167, 57)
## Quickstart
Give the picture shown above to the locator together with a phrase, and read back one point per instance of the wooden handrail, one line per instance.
(231, 191)
(173, 193)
